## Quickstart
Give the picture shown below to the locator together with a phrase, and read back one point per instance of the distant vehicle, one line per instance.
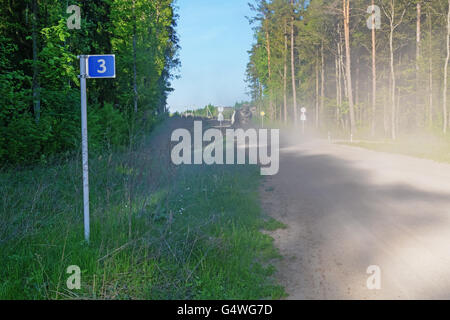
(242, 117)
(188, 114)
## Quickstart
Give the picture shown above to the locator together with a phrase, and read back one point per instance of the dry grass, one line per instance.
(157, 232)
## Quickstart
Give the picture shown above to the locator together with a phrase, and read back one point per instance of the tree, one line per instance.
(372, 67)
(391, 15)
(444, 98)
(294, 89)
(36, 88)
(39, 98)
(346, 18)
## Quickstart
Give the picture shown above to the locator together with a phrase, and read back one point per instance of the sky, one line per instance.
(214, 38)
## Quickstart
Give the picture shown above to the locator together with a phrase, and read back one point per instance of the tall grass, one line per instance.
(157, 232)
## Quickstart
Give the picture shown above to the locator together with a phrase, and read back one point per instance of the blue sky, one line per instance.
(214, 37)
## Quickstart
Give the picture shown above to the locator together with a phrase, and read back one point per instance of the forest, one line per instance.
(373, 68)
(39, 87)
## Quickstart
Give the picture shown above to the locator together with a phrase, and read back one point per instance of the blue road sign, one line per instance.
(101, 66)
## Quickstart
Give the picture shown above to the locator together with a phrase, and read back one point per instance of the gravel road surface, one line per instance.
(348, 208)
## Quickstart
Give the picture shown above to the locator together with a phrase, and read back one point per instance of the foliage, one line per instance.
(30, 135)
(319, 33)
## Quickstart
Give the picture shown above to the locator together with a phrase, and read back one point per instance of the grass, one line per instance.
(426, 146)
(157, 231)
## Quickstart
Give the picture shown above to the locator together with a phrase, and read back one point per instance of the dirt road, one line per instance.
(348, 208)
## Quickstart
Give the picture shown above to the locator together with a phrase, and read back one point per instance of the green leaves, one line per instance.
(106, 27)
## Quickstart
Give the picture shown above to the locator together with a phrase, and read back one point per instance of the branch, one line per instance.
(401, 19)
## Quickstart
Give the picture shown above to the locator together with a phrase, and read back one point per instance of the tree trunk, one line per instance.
(294, 90)
(341, 63)
(322, 85)
(35, 85)
(393, 85)
(285, 74)
(393, 26)
(134, 61)
(261, 92)
(357, 95)
(317, 92)
(338, 90)
(386, 99)
(341, 76)
(430, 75)
(374, 76)
(269, 69)
(346, 7)
(418, 38)
(397, 111)
(444, 104)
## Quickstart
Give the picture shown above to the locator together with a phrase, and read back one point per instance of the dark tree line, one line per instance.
(39, 88)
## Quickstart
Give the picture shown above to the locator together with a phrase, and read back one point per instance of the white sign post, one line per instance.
(98, 66)
(303, 118)
(220, 117)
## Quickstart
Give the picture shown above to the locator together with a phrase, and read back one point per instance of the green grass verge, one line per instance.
(157, 232)
(431, 147)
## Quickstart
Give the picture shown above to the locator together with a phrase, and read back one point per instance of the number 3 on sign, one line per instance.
(101, 66)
